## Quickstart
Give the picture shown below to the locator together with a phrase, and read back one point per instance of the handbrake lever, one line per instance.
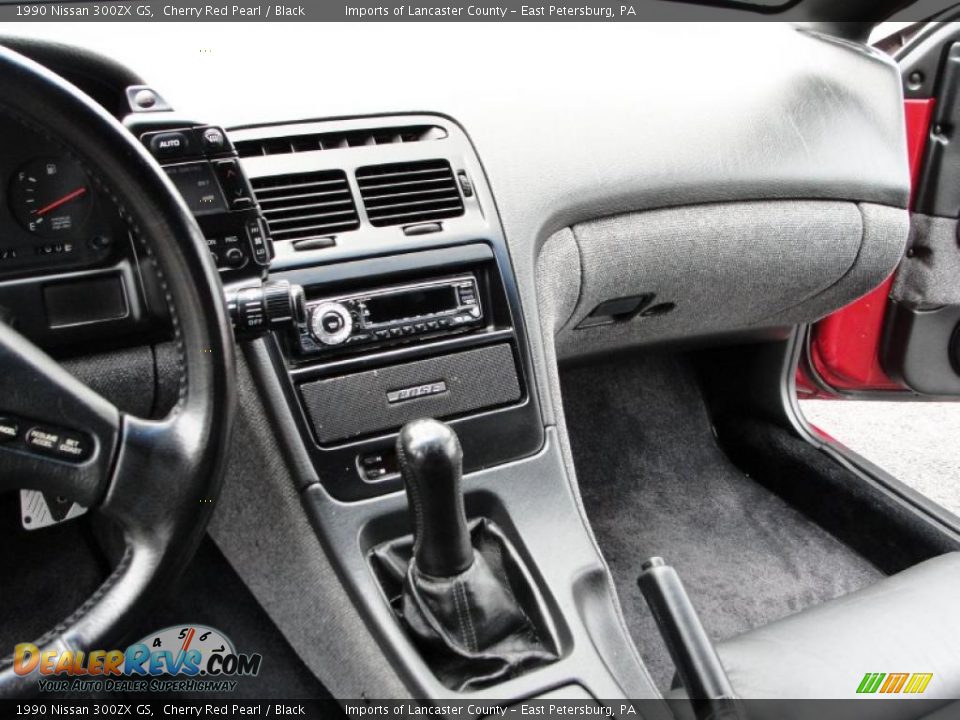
(694, 656)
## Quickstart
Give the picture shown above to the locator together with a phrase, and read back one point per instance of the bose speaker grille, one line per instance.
(364, 403)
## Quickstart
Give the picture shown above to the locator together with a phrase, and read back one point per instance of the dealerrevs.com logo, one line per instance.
(183, 658)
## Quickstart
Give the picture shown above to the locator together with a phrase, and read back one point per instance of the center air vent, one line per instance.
(409, 192)
(305, 205)
(309, 142)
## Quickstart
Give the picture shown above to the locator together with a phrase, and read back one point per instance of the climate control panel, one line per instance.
(205, 168)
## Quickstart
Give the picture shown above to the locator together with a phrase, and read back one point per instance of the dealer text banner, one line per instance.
(388, 11)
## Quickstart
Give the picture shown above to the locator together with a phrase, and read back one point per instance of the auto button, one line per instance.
(169, 144)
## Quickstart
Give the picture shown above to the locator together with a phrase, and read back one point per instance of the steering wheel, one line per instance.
(153, 480)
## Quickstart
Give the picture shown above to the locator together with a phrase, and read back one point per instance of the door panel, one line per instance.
(902, 340)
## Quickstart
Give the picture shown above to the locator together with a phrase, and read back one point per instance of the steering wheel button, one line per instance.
(42, 439)
(9, 429)
(58, 444)
(72, 447)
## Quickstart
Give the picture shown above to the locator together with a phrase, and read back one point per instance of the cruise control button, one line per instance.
(41, 439)
(9, 429)
(58, 444)
(73, 447)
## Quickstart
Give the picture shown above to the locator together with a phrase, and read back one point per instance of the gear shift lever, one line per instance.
(464, 598)
(431, 463)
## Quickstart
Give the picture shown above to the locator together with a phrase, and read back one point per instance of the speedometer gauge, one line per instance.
(51, 197)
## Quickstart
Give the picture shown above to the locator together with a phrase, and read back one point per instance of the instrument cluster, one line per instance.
(51, 216)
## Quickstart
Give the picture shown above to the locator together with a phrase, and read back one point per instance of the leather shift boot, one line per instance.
(474, 628)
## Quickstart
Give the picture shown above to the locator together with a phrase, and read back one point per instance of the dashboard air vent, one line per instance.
(305, 205)
(336, 140)
(409, 192)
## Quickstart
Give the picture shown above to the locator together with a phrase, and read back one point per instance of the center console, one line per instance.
(411, 309)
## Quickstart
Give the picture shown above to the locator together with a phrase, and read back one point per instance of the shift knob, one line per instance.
(431, 464)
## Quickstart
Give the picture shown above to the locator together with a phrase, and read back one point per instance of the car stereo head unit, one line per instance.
(392, 314)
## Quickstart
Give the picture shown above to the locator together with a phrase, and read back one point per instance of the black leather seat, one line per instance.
(907, 623)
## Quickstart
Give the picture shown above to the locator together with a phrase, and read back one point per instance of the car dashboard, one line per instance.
(412, 244)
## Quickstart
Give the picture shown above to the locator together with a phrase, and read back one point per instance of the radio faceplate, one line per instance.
(392, 314)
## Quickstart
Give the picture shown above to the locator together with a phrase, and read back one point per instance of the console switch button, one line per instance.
(258, 241)
(234, 183)
(377, 465)
(214, 140)
(169, 144)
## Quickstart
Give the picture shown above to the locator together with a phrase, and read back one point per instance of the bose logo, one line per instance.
(410, 393)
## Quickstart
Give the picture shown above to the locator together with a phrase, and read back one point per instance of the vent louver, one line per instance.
(336, 140)
(409, 192)
(305, 205)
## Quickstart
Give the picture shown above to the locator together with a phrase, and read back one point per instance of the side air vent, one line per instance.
(336, 140)
(409, 192)
(304, 205)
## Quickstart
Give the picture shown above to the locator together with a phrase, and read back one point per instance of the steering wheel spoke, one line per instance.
(56, 435)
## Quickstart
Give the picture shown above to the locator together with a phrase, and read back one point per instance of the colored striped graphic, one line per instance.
(918, 682)
(891, 683)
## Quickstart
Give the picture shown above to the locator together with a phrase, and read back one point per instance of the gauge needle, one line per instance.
(62, 201)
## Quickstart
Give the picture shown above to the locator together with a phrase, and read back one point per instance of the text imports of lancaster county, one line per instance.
(492, 12)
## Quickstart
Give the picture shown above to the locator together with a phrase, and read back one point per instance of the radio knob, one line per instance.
(330, 323)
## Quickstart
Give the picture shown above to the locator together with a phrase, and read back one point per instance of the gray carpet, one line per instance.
(654, 482)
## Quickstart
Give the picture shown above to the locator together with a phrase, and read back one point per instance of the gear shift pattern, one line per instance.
(431, 463)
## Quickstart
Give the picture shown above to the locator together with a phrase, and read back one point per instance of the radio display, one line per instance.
(411, 304)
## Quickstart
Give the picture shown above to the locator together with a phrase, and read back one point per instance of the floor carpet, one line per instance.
(654, 482)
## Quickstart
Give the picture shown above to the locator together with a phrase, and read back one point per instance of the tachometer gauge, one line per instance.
(51, 197)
